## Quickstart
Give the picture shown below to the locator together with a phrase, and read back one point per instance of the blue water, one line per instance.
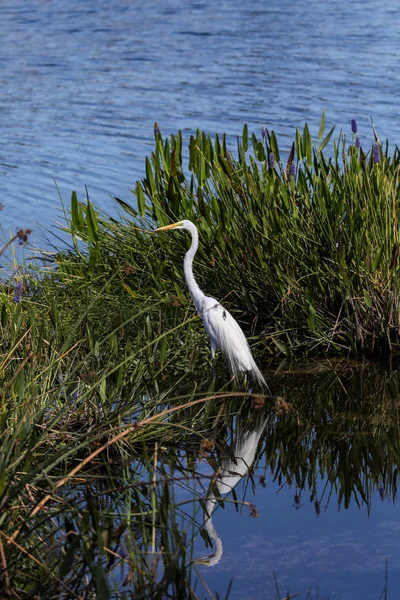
(339, 555)
(81, 84)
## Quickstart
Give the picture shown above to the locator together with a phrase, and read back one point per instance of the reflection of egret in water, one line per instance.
(243, 450)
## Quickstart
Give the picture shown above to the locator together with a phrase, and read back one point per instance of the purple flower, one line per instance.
(264, 132)
(354, 126)
(156, 128)
(18, 292)
(377, 153)
(292, 171)
(271, 160)
(358, 141)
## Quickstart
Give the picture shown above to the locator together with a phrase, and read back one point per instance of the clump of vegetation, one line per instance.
(304, 251)
(105, 366)
(308, 247)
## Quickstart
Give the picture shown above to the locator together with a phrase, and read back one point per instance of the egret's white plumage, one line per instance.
(224, 332)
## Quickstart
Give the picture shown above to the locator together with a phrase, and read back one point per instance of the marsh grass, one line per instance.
(307, 247)
(106, 402)
(303, 250)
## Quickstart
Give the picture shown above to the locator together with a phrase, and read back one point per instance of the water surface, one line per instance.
(323, 477)
(82, 83)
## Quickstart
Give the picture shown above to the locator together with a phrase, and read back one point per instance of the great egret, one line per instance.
(224, 332)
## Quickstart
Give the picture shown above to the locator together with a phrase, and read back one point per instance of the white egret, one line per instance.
(224, 332)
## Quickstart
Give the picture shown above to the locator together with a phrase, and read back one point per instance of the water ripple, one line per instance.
(83, 83)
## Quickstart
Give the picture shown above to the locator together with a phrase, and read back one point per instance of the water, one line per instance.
(323, 478)
(309, 484)
(82, 84)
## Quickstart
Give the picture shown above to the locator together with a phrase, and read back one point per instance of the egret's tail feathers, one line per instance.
(256, 375)
(246, 365)
(225, 333)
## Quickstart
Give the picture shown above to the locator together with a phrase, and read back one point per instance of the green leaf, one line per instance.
(192, 154)
(103, 390)
(321, 126)
(161, 153)
(307, 150)
(198, 137)
(255, 143)
(150, 177)
(4, 319)
(367, 299)
(378, 258)
(326, 139)
(280, 345)
(2, 480)
(75, 212)
(260, 152)
(180, 293)
(141, 199)
(217, 146)
(101, 582)
(178, 148)
(70, 552)
(245, 138)
(91, 221)
(201, 175)
(127, 207)
(54, 312)
(311, 318)
(274, 146)
(299, 145)
(161, 218)
(166, 157)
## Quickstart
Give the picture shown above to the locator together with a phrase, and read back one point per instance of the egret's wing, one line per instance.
(226, 334)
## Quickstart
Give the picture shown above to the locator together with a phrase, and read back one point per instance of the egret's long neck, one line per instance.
(215, 557)
(194, 289)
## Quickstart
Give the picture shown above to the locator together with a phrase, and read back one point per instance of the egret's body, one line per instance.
(224, 332)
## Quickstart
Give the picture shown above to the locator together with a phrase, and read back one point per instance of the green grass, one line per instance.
(90, 505)
(106, 402)
(308, 262)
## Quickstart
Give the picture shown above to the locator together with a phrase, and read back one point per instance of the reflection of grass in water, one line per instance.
(79, 521)
(76, 524)
(325, 416)
(92, 491)
(344, 427)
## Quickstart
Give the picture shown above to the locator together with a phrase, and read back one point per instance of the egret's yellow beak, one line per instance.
(172, 226)
(201, 561)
